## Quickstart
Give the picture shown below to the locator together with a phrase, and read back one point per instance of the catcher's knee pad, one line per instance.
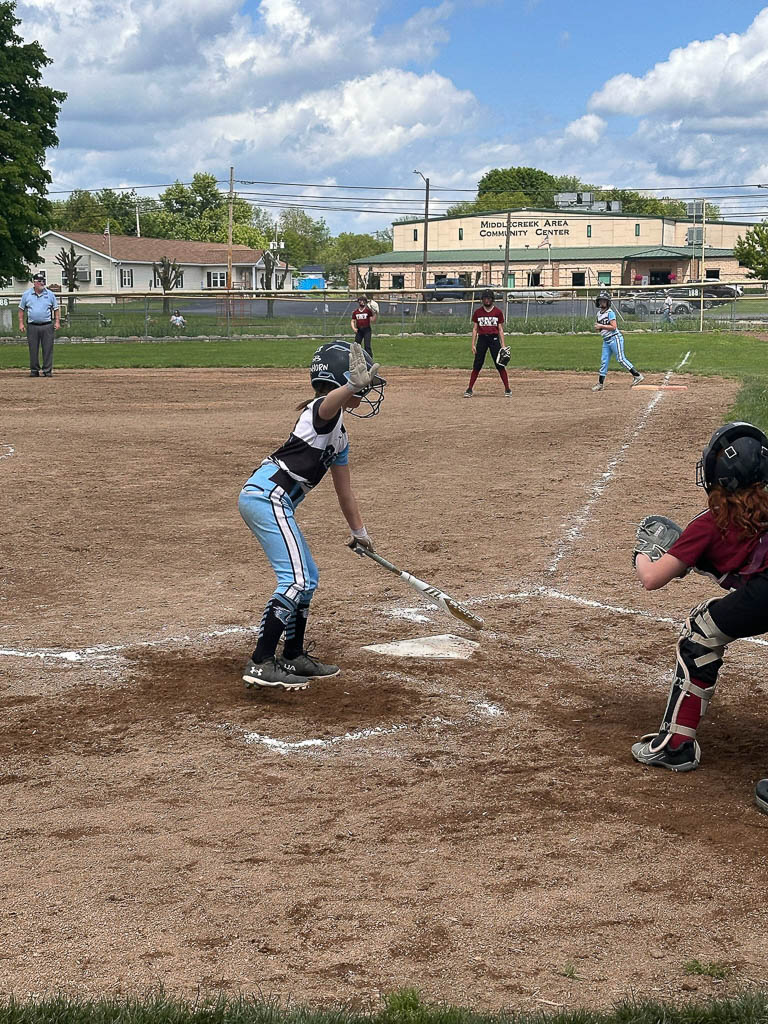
(700, 650)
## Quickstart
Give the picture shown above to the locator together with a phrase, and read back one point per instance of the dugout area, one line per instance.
(474, 828)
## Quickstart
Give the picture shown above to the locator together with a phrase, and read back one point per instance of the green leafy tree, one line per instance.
(340, 251)
(28, 114)
(68, 261)
(752, 250)
(303, 237)
(168, 273)
(538, 187)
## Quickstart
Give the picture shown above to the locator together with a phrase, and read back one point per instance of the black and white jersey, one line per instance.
(313, 446)
(604, 317)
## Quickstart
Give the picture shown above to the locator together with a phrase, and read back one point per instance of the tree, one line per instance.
(168, 274)
(274, 276)
(752, 250)
(303, 238)
(538, 187)
(28, 114)
(68, 261)
(340, 251)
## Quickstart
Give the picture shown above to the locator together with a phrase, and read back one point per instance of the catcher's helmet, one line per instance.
(603, 297)
(736, 456)
(330, 365)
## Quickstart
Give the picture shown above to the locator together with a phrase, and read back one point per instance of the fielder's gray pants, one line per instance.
(40, 335)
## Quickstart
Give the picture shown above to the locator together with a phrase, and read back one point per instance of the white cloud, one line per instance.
(588, 128)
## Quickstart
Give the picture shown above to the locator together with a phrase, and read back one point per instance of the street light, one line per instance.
(426, 230)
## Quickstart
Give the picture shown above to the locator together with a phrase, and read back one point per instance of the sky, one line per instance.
(363, 92)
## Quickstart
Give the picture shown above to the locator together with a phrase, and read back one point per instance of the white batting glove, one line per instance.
(359, 376)
(360, 539)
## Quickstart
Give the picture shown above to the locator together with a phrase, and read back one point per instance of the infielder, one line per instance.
(343, 378)
(729, 542)
(613, 342)
(362, 320)
(488, 336)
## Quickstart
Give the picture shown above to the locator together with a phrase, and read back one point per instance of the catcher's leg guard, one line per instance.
(700, 650)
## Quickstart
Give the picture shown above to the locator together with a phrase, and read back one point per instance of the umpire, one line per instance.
(43, 318)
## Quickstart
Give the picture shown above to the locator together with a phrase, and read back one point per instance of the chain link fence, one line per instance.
(327, 315)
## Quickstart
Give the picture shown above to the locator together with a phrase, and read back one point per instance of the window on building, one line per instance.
(578, 278)
(98, 277)
(398, 281)
(713, 274)
(510, 280)
(534, 278)
(589, 230)
(217, 278)
(637, 230)
(126, 278)
(604, 277)
(461, 234)
(415, 234)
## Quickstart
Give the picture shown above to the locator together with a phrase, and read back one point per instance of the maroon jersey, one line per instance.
(702, 545)
(362, 317)
(488, 320)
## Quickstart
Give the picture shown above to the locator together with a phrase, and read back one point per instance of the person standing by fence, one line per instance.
(43, 318)
(362, 320)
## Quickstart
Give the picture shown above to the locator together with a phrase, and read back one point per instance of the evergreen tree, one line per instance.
(28, 114)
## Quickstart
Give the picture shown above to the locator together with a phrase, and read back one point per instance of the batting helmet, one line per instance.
(736, 456)
(330, 365)
(603, 297)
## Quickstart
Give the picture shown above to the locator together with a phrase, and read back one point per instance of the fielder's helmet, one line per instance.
(603, 296)
(736, 456)
(330, 365)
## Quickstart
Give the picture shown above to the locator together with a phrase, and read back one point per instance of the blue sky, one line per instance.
(361, 92)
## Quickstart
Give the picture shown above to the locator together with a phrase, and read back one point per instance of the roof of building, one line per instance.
(597, 252)
(561, 211)
(129, 249)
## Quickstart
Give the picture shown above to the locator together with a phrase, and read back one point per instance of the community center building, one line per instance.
(567, 247)
(124, 264)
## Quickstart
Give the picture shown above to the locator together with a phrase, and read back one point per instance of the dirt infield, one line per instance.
(474, 828)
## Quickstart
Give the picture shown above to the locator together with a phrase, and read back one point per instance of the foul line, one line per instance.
(11, 451)
(597, 490)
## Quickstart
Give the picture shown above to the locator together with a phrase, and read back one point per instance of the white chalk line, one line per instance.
(10, 450)
(574, 532)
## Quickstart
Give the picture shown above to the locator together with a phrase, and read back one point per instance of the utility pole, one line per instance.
(426, 232)
(703, 233)
(506, 253)
(229, 226)
(138, 225)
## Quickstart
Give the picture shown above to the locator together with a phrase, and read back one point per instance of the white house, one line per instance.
(124, 264)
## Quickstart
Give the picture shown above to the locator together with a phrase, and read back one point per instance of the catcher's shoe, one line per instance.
(598, 386)
(305, 665)
(761, 795)
(637, 380)
(684, 758)
(271, 674)
(468, 393)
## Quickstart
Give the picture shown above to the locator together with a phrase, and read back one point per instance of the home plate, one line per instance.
(445, 645)
(660, 387)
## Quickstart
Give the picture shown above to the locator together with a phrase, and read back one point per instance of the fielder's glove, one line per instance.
(505, 354)
(360, 376)
(655, 536)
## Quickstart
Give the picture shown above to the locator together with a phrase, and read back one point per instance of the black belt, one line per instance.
(291, 487)
(40, 323)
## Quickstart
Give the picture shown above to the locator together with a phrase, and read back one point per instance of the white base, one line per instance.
(445, 645)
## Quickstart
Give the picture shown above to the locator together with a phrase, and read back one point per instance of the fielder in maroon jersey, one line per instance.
(488, 336)
(362, 320)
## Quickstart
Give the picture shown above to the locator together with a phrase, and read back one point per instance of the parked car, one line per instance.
(453, 288)
(652, 303)
(539, 295)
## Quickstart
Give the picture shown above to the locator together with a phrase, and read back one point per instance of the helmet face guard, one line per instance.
(330, 365)
(736, 457)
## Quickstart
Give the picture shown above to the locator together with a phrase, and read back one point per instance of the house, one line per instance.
(122, 264)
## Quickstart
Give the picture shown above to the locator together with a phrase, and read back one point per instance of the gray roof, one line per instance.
(597, 252)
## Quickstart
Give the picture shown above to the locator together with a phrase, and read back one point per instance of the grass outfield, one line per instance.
(727, 355)
(403, 1007)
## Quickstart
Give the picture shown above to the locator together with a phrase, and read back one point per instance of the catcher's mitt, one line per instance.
(655, 536)
(504, 355)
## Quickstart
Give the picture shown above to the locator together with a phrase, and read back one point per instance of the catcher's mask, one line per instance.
(603, 297)
(330, 365)
(736, 457)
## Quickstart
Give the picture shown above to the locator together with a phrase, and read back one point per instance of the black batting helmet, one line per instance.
(736, 457)
(330, 365)
(603, 297)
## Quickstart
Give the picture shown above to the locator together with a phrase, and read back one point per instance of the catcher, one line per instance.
(728, 542)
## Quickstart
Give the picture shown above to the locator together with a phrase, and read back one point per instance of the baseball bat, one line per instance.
(440, 598)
